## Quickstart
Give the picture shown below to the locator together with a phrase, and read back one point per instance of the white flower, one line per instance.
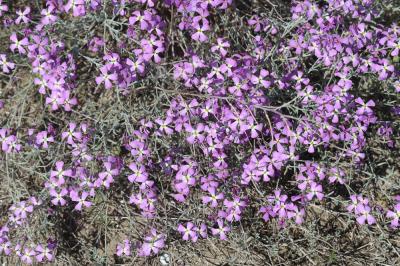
(165, 259)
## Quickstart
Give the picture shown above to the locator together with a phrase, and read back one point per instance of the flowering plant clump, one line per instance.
(186, 131)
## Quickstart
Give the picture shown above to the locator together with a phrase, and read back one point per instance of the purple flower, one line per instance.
(77, 6)
(139, 173)
(48, 17)
(200, 29)
(152, 243)
(213, 198)
(260, 79)
(60, 173)
(365, 107)
(299, 215)
(108, 175)
(137, 65)
(208, 182)
(394, 215)
(6, 66)
(221, 230)
(71, 135)
(315, 191)
(189, 232)
(18, 44)
(336, 175)
(364, 214)
(9, 143)
(384, 70)
(255, 129)
(106, 77)
(395, 46)
(139, 150)
(27, 255)
(355, 201)
(195, 133)
(81, 200)
(22, 15)
(202, 230)
(54, 100)
(5, 246)
(58, 197)
(237, 203)
(220, 46)
(43, 252)
(42, 139)
(124, 249)
(185, 178)
(164, 126)
(250, 175)
(22, 209)
(3, 8)
(143, 19)
(233, 214)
